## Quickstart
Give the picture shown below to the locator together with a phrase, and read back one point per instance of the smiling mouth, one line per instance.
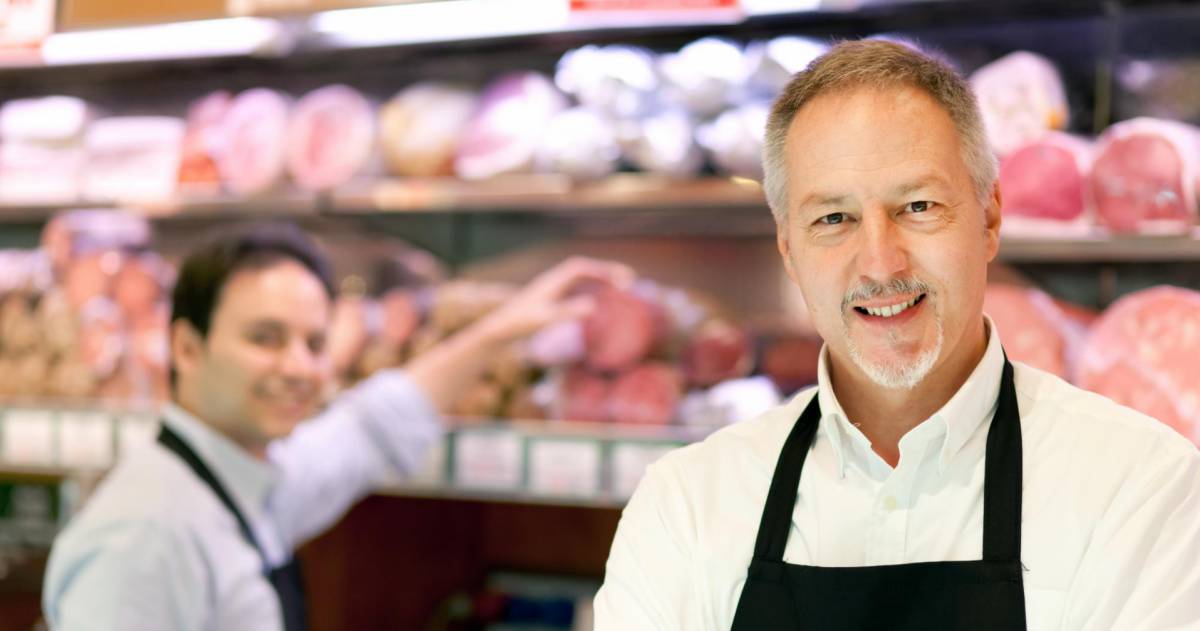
(891, 311)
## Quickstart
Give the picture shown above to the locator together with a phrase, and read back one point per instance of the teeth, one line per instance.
(889, 311)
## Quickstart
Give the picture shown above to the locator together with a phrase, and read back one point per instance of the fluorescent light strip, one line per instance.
(438, 21)
(176, 40)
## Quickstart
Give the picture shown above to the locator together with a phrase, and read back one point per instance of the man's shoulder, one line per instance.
(1062, 413)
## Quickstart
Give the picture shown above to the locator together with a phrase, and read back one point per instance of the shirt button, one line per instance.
(889, 503)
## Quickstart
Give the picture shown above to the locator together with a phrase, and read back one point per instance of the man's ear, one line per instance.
(992, 219)
(785, 250)
(187, 347)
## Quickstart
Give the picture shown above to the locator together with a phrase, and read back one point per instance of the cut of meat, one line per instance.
(1144, 177)
(716, 352)
(646, 395)
(792, 362)
(331, 137)
(421, 128)
(621, 330)
(584, 396)
(1044, 186)
(254, 142)
(1028, 321)
(1142, 353)
(198, 167)
(1021, 96)
(508, 126)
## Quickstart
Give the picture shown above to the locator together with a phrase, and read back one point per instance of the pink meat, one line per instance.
(792, 362)
(331, 137)
(584, 397)
(646, 395)
(716, 352)
(253, 142)
(1142, 353)
(1024, 318)
(621, 330)
(1045, 179)
(1143, 179)
(508, 126)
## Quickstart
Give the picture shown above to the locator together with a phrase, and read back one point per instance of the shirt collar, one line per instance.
(247, 478)
(974, 403)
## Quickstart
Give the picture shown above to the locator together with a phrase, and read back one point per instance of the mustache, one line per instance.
(894, 287)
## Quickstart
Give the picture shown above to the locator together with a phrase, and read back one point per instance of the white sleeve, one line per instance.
(128, 577)
(381, 429)
(1142, 566)
(647, 582)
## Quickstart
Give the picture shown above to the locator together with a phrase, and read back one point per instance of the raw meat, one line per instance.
(331, 137)
(254, 142)
(508, 126)
(734, 140)
(792, 362)
(646, 395)
(583, 396)
(621, 330)
(421, 127)
(717, 351)
(1044, 186)
(201, 144)
(1028, 323)
(705, 76)
(1142, 353)
(1144, 177)
(1021, 96)
(617, 81)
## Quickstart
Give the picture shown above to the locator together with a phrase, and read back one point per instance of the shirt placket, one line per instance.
(887, 544)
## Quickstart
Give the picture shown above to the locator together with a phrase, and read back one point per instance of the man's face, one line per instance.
(263, 366)
(882, 213)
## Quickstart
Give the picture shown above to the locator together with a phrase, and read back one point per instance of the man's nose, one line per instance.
(882, 253)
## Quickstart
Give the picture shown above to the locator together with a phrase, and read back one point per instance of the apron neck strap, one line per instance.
(1001, 492)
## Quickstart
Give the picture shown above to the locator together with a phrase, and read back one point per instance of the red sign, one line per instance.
(651, 5)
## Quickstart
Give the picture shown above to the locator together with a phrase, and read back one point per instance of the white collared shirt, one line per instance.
(155, 549)
(1110, 527)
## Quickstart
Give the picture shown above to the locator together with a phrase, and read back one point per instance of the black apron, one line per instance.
(984, 595)
(285, 579)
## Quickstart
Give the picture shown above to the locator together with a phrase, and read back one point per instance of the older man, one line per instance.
(926, 482)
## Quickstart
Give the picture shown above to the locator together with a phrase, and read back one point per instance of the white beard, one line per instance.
(898, 376)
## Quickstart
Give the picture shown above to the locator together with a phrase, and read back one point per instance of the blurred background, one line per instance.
(445, 151)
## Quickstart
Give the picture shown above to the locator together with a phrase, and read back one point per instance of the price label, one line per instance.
(629, 462)
(85, 439)
(488, 459)
(29, 437)
(564, 467)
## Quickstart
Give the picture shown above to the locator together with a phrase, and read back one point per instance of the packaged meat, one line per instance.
(558, 344)
(510, 123)
(1043, 186)
(662, 143)
(421, 127)
(1143, 178)
(705, 76)
(648, 394)
(583, 396)
(41, 173)
(48, 119)
(734, 140)
(579, 143)
(729, 402)
(617, 81)
(1021, 96)
(254, 141)
(133, 158)
(1142, 353)
(773, 63)
(198, 173)
(621, 330)
(717, 351)
(1028, 322)
(331, 137)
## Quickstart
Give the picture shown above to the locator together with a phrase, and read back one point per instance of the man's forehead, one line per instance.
(273, 290)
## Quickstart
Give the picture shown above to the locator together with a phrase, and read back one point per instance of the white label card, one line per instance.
(488, 459)
(85, 439)
(564, 467)
(29, 437)
(629, 462)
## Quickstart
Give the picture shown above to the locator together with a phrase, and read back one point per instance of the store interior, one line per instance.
(444, 152)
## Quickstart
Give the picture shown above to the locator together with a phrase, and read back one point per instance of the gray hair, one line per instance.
(876, 63)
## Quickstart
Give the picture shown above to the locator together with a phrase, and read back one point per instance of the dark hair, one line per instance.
(207, 269)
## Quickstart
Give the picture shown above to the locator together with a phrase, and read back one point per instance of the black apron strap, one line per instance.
(1002, 483)
(285, 580)
(785, 486)
(1003, 476)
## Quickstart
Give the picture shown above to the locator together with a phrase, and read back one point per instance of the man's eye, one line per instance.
(918, 207)
(832, 219)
